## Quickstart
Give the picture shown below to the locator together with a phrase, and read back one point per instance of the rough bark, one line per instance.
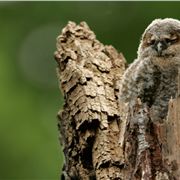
(100, 138)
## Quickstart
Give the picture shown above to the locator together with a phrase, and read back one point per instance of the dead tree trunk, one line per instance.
(99, 139)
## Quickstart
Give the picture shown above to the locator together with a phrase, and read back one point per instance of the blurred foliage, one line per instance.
(29, 94)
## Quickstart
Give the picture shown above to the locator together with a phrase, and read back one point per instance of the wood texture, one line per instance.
(102, 137)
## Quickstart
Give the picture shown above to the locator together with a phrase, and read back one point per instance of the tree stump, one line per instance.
(100, 138)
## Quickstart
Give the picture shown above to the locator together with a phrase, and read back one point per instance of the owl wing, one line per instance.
(138, 81)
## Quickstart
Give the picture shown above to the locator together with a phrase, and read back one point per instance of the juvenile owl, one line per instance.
(152, 77)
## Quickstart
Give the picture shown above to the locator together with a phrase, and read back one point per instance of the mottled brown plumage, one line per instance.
(152, 77)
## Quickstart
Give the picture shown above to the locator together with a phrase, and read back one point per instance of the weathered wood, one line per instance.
(102, 137)
(89, 75)
(170, 136)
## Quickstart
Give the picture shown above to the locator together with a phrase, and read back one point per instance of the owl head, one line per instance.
(161, 40)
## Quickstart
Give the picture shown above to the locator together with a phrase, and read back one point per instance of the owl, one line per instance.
(152, 77)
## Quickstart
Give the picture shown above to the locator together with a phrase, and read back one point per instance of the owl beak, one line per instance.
(159, 46)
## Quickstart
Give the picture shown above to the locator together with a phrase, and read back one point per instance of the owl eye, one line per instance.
(171, 41)
(151, 42)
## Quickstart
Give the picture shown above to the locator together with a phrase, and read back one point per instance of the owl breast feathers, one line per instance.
(152, 77)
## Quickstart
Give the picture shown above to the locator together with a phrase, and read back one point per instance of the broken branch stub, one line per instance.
(89, 75)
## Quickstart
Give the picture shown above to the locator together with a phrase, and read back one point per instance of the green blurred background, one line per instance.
(29, 94)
